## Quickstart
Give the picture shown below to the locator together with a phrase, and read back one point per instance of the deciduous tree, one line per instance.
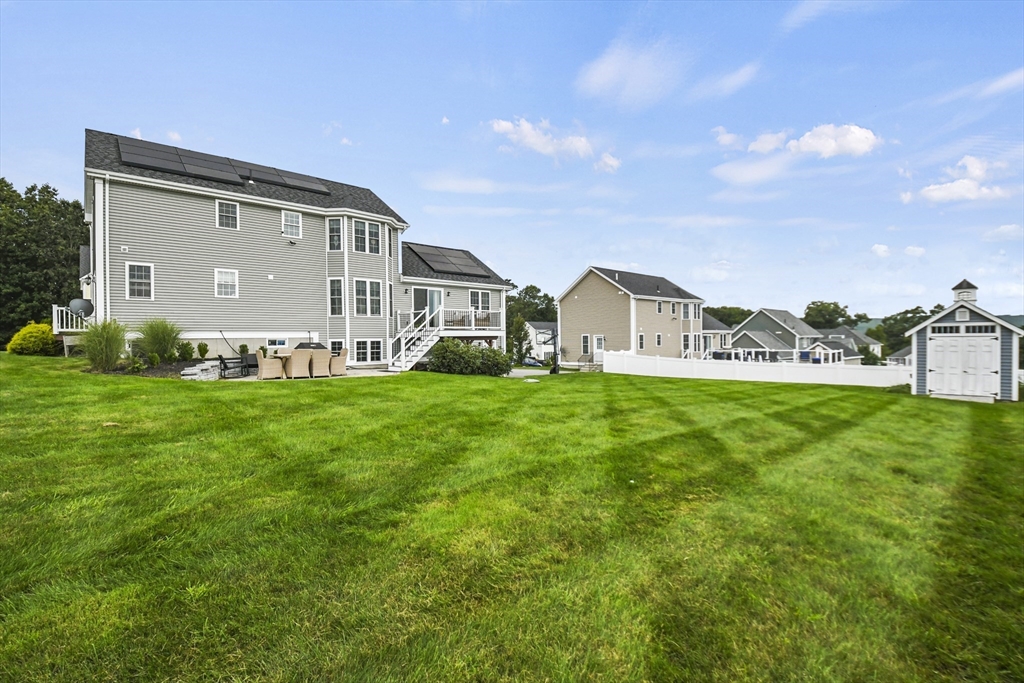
(825, 315)
(728, 315)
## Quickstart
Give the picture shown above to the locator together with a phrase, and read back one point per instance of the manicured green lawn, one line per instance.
(426, 527)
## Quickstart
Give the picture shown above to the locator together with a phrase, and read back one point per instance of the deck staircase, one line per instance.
(413, 342)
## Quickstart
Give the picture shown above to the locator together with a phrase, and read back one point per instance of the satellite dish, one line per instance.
(81, 307)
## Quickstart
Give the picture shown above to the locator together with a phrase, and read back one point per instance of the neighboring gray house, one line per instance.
(541, 334)
(854, 338)
(790, 334)
(235, 252)
(616, 310)
(965, 352)
(901, 357)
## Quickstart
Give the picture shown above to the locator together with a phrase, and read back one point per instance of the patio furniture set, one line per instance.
(290, 364)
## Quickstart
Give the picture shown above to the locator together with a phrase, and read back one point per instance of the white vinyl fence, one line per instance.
(624, 363)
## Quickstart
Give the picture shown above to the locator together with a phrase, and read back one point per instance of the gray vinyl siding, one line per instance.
(950, 319)
(763, 321)
(921, 380)
(1007, 340)
(177, 233)
(745, 342)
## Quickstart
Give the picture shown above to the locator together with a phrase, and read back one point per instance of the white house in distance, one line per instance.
(965, 352)
(541, 338)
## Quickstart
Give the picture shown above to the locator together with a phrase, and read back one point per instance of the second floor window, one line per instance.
(367, 297)
(686, 311)
(374, 237)
(366, 237)
(480, 301)
(225, 283)
(659, 307)
(359, 234)
(337, 296)
(227, 215)
(291, 224)
(696, 311)
(334, 234)
(673, 308)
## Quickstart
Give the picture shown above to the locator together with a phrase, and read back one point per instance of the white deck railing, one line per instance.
(66, 321)
(455, 319)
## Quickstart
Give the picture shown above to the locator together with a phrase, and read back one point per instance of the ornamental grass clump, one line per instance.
(104, 344)
(35, 339)
(159, 336)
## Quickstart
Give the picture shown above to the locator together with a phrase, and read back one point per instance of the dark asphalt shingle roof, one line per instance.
(837, 345)
(102, 153)
(859, 338)
(767, 340)
(964, 284)
(902, 353)
(712, 324)
(645, 285)
(794, 323)
(414, 266)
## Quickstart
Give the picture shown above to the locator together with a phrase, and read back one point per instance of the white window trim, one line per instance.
(963, 315)
(355, 309)
(297, 213)
(673, 308)
(585, 345)
(238, 286)
(381, 240)
(657, 339)
(685, 313)
(152, 281)
(641, 346)
(330, 344)
(660, 307)
(341, 248)
(480, 298)
(277, 346)
(343, 298)
(352, 352)
(216, 215)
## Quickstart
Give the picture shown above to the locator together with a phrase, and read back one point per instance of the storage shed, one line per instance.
(965, 352)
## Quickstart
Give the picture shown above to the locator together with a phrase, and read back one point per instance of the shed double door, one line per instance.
(963, 365)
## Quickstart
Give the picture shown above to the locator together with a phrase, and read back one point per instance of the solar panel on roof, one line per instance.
(444, 260)
(153, 163)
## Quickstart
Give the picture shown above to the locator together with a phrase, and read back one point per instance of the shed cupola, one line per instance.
(965, 291)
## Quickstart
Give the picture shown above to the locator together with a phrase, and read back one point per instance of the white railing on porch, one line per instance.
(66, 321)
(455, 319)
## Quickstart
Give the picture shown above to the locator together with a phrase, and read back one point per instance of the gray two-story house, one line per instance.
(235, 252)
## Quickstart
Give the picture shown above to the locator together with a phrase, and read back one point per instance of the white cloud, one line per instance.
(880, 250)
(1005, 233)
(1008, 289)
(753, 171)
(522, 133)
(1005, 83)
(686, 221)
(329, 128)
(726, 85)
(964, 189)
(904, 172)
(136, 133)
(973, 168)
(607, 164)
(724, 137)
(768, 142)
(345, 141)
(447, 182)
(881, 289)
(906, 197)
(444, 121)
(173, 136)
(914, 251)
(830, 140)
(807, 11)
(634, 77)
(477, 211)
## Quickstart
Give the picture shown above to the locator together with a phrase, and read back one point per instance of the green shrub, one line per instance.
(203, 348)
(171, 357)
(243, 349)
(186, 351)
(263, 350)
(35, 339)
(495, 362)
(154, 359)
(159, 336)
(455, 357)
(135, 365)
(103, 344)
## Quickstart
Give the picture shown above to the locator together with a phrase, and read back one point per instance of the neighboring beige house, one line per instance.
(615, 310)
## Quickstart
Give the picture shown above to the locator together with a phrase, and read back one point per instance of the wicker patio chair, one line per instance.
(338, 364)
(297, 364)
(321, 362)
(270, 368)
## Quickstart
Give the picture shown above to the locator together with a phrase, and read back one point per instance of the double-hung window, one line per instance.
(368, 297)
(686, 311)
(138, 281)
(373, 230)
(291, 224)
(369, 350)
(227, 215)
(225, 283)
(359, 236)
(337, 345)
(337, 294)
(659, 309)
(585, 344)
(480, 301)
(696, 311)
(686, 341)
(657, 339)
(640, 341)
(334, 234)
(673, 308)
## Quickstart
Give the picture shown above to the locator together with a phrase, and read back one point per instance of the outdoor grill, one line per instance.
(310, 345)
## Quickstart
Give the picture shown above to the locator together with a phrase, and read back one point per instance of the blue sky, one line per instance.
(763, 154)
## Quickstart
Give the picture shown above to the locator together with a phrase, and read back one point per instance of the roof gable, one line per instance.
(638, 284)
(965, 304)
(765, 339)
(795, 324)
